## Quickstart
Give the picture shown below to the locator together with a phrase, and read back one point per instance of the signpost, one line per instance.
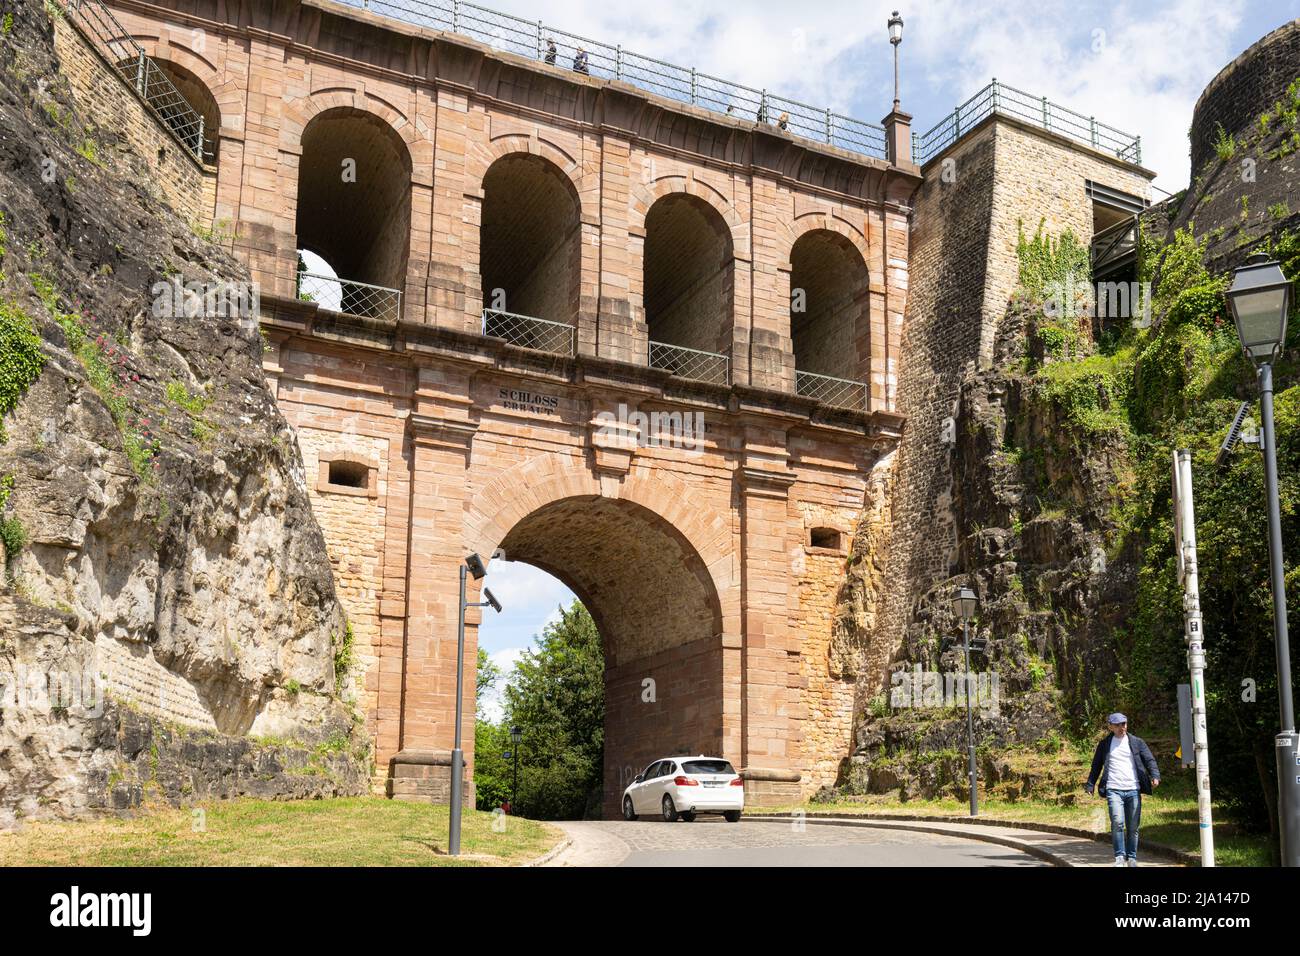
(1185, 548)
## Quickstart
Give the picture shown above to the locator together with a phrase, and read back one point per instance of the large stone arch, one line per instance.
(829, 324)
(541, 480)
(635, 553)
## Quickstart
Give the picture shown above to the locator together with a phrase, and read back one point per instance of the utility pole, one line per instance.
(1185, 547)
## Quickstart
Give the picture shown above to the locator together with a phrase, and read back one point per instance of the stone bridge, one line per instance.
(644, 346)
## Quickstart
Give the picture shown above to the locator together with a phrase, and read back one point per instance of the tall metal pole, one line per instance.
(1287, 747)
(970, 723)
(514, 787)
(895, 77)
(1195, 649)
(457, 757)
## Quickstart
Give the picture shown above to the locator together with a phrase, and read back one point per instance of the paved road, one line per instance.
(712, 842)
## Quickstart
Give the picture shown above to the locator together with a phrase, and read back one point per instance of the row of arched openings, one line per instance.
(354, 223)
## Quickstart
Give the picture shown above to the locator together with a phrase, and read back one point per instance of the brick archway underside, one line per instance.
(659, 619)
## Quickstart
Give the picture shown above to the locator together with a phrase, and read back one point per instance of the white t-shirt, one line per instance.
(1119, 765)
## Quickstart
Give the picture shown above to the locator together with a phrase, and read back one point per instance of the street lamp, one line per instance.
(963, 607)
(1260, 298)
(895, 38)
(516, 735)
(473, 565)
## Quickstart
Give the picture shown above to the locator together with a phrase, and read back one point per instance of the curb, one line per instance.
(1155, 849)
(552, 853)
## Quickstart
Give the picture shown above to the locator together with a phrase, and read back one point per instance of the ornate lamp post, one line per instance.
(963, 607)
(1260, 298)
(895, 38)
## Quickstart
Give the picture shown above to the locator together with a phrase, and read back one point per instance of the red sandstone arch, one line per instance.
(830, 330)
(354, 201)
(530, 239)
(653, 597)
(644, 195)
(480, 157)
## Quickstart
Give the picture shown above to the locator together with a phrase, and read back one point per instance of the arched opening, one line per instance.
(829, 322)
(354, 213)
(530, 248)
(177, 94)
(688, 286)
(660, 623)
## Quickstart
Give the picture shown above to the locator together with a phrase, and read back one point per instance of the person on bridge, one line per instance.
(1123, 769)
(550, 51)
(783, 121)
(580, 61)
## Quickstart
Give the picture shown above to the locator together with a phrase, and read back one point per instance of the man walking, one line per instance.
(1127, 770)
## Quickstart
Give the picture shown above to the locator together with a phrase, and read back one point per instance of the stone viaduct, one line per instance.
(564, 335)
(651, 348)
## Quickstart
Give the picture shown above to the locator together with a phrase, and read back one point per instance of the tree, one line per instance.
(488, 676)
(557, 697)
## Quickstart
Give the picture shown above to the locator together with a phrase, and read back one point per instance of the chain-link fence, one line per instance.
(1009, 101)
(527, 332)
(840, 392)
(690, 363)
(349, 297)
(556, 47)
(97, 23)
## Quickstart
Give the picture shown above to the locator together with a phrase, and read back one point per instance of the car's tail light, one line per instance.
(737, 782)
(685, 782)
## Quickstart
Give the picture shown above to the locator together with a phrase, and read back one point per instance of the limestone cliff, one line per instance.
(163, 567)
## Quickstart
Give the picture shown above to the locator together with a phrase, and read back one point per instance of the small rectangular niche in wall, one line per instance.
(347, 476)
(825, 539)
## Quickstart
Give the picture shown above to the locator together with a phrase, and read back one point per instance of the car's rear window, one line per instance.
(707, 766)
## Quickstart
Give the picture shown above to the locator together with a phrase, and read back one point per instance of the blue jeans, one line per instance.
(1125, 818)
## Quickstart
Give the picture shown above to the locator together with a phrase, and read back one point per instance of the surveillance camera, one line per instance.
(491, 599)
(476, 567)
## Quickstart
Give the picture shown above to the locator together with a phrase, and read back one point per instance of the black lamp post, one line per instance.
(963, 607)
(473, 565)
(895, 38)
(516, 735)
(1260, 298)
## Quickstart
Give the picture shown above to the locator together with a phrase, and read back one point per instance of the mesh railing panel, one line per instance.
(144, 76)
(534, 39)
(349, 297)
(1039, 110)
(691, 363)
(839, 392)
(526, 331)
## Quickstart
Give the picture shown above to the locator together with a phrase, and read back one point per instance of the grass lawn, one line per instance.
(1169, 818)
(355, 831)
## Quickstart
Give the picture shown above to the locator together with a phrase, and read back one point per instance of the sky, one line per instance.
(1136, 66)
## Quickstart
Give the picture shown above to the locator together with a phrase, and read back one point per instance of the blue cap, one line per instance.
(1117, 718)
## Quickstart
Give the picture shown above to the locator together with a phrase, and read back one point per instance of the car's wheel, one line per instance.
(629, 813)
(670, 810)
(688, 816)
(733, 816)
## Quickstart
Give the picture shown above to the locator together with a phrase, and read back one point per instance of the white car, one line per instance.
(681, 787)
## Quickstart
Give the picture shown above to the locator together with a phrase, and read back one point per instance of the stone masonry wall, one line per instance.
(966, 224)
(106, 101)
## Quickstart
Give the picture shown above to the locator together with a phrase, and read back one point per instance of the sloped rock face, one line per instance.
(1034, 500)
(169, 560)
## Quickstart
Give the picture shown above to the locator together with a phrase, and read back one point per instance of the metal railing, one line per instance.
(694, 364)
(1009, 101)
(349, 297)
(840, 392)
(550, 45)
(97, 23)
(530, 332)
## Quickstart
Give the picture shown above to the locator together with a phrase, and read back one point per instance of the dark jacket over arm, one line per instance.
(1144, 764)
